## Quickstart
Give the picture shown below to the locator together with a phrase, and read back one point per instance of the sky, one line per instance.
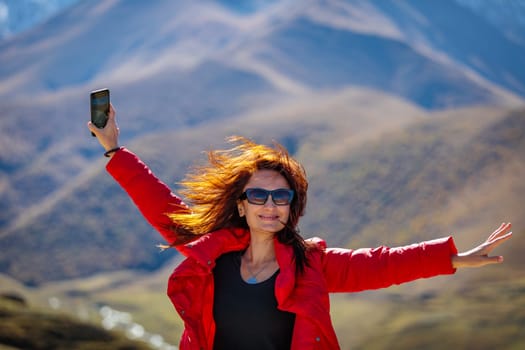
(19, 15)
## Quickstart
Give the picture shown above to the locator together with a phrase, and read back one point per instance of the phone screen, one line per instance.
(99, 107)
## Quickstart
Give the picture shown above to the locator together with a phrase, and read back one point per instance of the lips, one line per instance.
(269, 217)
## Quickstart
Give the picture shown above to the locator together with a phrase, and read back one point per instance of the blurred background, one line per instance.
(408, 116)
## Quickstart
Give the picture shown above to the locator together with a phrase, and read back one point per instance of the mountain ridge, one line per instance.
(214, 33)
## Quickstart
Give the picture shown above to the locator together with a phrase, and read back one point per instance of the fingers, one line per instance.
(109, 134)
(500, 231)
(479, 256)
(112, 112)
(495, 239)
(92, 128)
(489, 260)
(460, 261)
(498, 240)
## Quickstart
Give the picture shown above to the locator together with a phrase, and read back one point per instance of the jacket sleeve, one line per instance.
(151, 196)
(349, 270)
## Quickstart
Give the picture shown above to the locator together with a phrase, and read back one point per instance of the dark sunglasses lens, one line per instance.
(282, 197)
(257, 196)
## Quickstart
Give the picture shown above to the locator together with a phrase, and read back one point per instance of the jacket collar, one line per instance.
(285, 281)
(209, 247)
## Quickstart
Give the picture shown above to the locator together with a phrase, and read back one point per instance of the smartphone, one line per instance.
(99, 101)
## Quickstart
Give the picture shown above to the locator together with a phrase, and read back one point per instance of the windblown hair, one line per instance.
(212, 191)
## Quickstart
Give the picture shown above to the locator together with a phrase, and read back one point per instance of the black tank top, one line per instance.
(246, 315)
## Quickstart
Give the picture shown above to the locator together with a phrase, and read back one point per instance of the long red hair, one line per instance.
(212, 190)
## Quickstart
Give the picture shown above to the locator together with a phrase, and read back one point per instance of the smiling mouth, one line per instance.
(269, 218)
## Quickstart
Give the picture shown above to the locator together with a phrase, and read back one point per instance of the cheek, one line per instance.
(289, 218)
(285, 213)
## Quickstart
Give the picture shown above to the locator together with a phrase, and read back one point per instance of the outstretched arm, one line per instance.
(479, 256)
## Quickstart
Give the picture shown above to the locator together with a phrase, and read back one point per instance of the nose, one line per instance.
(269, 202)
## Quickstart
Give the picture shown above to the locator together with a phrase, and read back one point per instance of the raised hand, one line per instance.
(107, 136)
(479, 256)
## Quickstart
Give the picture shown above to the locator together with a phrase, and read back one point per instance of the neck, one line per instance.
(260, 250)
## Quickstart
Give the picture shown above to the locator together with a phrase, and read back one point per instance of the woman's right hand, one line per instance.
(107, 136)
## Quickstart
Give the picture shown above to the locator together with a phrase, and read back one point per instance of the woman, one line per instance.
(249, 280)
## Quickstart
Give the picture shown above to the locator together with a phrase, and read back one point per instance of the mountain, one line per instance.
(407, 180)
(408, 117)
(387, 40)
(366, 94)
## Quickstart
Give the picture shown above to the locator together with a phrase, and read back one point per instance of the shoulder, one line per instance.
(315, 248)
(316, 244)
(214, 244)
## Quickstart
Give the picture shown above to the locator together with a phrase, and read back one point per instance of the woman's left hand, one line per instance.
(479, 256)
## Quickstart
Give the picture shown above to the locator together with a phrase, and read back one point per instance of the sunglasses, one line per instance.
(259, 196)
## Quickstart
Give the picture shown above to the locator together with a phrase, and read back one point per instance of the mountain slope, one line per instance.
(467, 38)
(327, 58)
(457, 172)
(166, 39)
(326, 79)
(401, 186)
(85, 232)
(396, 183)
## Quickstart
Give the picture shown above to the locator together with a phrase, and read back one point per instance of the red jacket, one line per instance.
(190, 287)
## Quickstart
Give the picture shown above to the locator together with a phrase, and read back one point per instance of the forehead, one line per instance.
(267, 179)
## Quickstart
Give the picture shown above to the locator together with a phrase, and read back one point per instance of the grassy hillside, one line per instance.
(27, 327)
(449, 174)
(488, 315)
